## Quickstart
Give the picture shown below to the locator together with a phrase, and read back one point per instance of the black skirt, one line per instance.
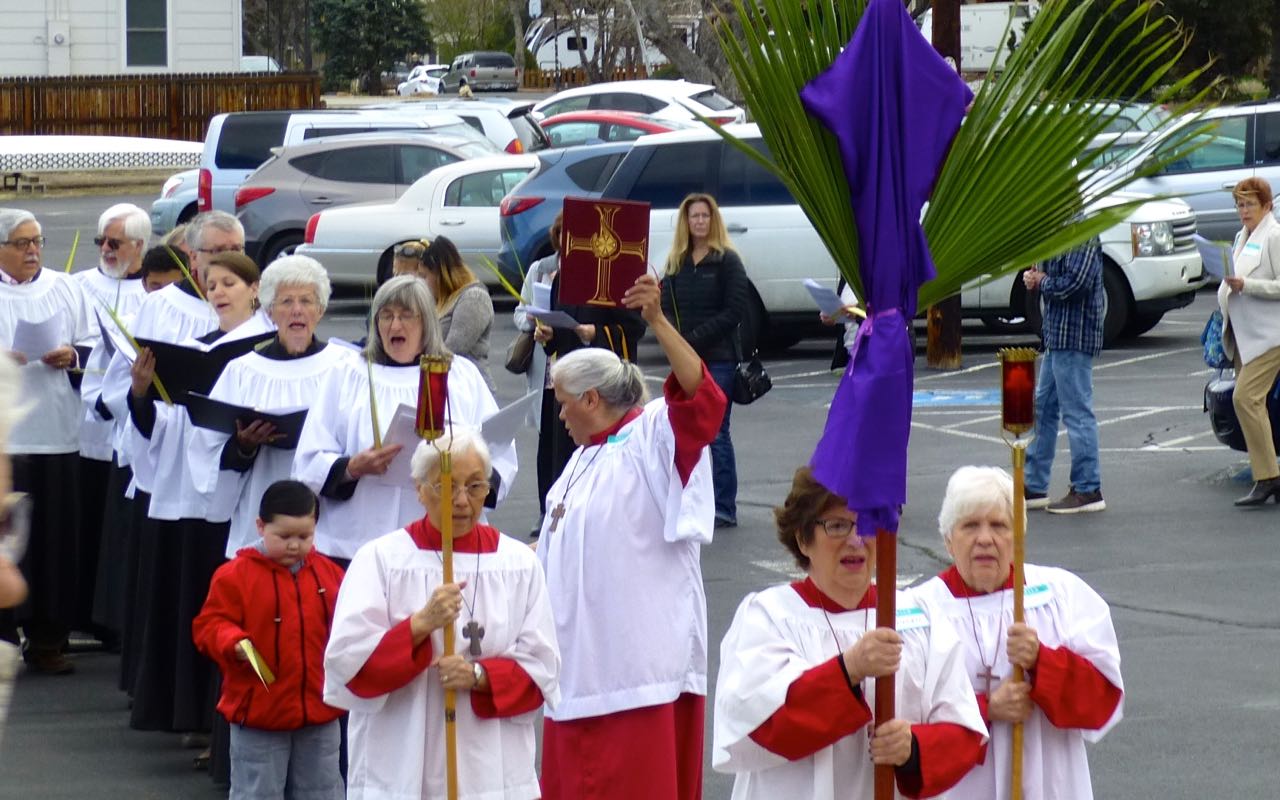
(117, 569)
(93, 520)
(174, 688)
(53, 558)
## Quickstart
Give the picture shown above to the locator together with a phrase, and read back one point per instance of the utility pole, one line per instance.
(943, 349)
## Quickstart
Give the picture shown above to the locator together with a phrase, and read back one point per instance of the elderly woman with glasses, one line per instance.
(45, 446)
(363, 486)
(384, 660)
(284, 375)
(797, 668)
(1072, 693)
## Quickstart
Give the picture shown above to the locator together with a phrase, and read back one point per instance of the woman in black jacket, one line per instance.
(705, 295)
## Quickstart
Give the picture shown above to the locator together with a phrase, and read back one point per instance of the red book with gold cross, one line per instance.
(605, 248)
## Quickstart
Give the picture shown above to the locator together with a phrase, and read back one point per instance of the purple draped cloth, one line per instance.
(894, 105)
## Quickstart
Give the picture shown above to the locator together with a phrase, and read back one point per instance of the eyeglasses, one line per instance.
(27, 241)
(111, 243)
(837, 527)
(412, 250)
(226, 248)
(403, 317)
(475, 489)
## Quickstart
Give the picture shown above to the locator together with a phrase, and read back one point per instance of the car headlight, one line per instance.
(1152, 238)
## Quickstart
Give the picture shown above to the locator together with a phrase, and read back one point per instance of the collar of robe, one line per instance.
(816, 598)
(480, 539)
(12, 281)
(274, 349)
(951, 577)
(188, 287)
(603, 436)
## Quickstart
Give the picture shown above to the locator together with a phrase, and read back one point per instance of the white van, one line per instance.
(239, 142)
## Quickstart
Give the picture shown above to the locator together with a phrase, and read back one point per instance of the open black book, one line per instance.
(184, 370)
(216, 415)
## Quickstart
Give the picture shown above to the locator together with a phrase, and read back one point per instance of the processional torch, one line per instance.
(433, 398)
(1018, 422)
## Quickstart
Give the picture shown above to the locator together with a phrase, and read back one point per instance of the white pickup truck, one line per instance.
(1151, 263)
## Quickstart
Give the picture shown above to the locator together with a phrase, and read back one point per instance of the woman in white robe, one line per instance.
(1073, 693)
(183, 543)
(364, 488)
(384, 661)
(797, 667)
(284, 375)
(45, 447)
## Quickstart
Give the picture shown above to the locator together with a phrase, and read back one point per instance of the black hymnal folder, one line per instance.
(184, 370)
(216, 415)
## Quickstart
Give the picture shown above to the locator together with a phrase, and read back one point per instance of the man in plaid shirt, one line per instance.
(1071, 285)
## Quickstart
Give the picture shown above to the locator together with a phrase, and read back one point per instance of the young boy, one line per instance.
(273, 603)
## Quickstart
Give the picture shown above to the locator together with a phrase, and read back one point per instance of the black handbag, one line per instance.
(750, 380)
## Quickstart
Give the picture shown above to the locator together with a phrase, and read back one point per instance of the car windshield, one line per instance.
(494, 60)
(713, 100)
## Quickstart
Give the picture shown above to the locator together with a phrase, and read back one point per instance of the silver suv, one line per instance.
(480, 71)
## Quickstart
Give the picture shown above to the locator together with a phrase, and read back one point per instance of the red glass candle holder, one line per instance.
(1017, 389)
(433, 396)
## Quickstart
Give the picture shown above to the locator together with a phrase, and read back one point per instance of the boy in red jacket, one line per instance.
(265, 624)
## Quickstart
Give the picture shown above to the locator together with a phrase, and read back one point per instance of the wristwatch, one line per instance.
(477, 669)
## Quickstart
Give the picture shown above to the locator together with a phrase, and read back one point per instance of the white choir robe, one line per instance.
(776, 636)
(1065, 613)
(164, 455)
(167, 315)
(254, 381)
(623, 569)
(53, 426)
(340, 425)
(397, 747)
(123, 296)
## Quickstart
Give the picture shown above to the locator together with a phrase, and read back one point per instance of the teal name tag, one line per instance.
(1253, 247)
(619, 438)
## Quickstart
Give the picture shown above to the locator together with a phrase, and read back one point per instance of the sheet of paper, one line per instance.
(556, 319)
(828, 301)
(256, 661)
(35, 339)
(401, 431)
(1216, 257)
(542, 295)
(501, 426)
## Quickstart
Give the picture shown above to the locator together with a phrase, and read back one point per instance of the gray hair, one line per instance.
(11, 218)
(408, 292)
(137, 223)
(456, 440)
(212, 219)
(971, 490)
(11, 408)
(302, 271)
(619, 383)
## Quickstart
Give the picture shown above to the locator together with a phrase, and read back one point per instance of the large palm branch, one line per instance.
(1018, 185)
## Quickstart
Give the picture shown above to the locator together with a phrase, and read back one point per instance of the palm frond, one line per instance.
(1019, 184)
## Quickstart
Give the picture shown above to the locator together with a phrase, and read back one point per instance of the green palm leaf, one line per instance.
(1019, 185)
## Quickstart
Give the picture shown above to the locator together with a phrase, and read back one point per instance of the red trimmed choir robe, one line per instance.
(1076, 685)
(396, 728)
(788, 724)
(620, 544)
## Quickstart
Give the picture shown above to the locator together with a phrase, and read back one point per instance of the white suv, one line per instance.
(1151, 264)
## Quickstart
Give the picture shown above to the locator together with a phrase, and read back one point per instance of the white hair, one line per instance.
(619, 383)
(11, 218)
(971, 490)
(298, 271)
(456, 440)
(220, 220)
(137, 223)
(11, 408)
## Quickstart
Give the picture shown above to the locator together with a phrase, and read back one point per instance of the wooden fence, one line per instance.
(576, 76)
(155, 106)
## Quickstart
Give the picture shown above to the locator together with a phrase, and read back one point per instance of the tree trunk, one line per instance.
(943, 349)
(516, 9)
(657, 29)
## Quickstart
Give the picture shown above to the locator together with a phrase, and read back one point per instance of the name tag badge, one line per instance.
(1253, 247)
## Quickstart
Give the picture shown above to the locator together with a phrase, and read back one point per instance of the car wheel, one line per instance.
(1116, 304)
(187, 213)
(282, 244)
(1141, 323)
(384, 267)
(1005, 325)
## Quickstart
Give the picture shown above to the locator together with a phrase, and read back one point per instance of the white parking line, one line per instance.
(1124, 361)
(982, 437)
(1146, 413)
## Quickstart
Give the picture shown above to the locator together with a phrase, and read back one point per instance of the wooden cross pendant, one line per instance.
(556, 514)
(474, 632)
(986, 676)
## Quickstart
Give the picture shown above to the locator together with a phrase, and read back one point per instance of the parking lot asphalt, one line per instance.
(1190, 579)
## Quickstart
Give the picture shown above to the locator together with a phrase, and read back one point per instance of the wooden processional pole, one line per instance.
(886, 617)
(1018, 421)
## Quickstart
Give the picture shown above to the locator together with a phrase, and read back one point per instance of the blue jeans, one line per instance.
(1065, 388)
(300, 764)
(724, 469)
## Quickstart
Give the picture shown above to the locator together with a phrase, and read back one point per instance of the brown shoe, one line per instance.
(1078, 503)
(48, 662)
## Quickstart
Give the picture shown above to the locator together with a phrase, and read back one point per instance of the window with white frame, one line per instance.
(146, 33)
